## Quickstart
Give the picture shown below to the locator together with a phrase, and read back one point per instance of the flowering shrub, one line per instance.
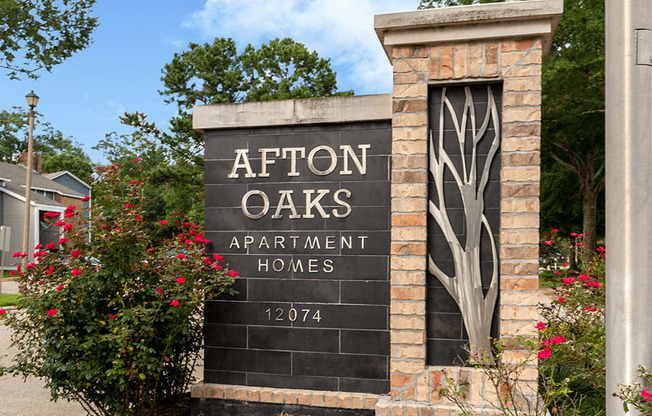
(115, 323)
(572, 336)
(636, 396)
(570, 349)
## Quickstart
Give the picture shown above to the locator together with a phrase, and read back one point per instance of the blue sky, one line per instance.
(121, 70)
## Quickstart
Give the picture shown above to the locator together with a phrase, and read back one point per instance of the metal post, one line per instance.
(28, 186)
(629, 193)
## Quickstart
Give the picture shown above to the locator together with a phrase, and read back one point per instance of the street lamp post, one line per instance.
(32, 100)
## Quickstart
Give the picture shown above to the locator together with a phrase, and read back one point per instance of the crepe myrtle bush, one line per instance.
(115, 321)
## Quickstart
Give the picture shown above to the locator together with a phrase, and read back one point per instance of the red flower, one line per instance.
(12, 273)
(2, 312)
(138, 217)
(593, 284)
(584, 278)
(60, 223)
(38, 246)
(137, 159)
(129, 205)
(555, 230)
(75, 253)
(69, 214)
(558, 339)
(51, 246)
(59, 288)
(52, 312)
(29, 266)
(545, 353)
(133, 182)
(111, 316)
(561, 300)
(207, 261)
(19, 254)
(104, 227)
(541, 326)
(70, 208)
(564, 265)
(50, 270)
(159, 290)
(85, 198)
(76, 272)
(163, 222)
(180, 280)
(41, 282)
(218, 267)
(547, 342)
(233, 273)
(217, 257)
(114, 166)
(645, 394)
(548, 242)
(568, 280)
(174, 303)
(601, 249)
(51, 214)
(181, 256)
(67, 227)
(62, 240)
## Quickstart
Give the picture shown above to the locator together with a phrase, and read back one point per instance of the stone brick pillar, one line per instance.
(468, 45)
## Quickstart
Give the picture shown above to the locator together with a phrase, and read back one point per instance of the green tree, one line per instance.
(39, 34)
(215, 73)
(59, 152)
(573, 110)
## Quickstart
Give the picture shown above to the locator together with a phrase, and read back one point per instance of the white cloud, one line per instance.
(342, 30)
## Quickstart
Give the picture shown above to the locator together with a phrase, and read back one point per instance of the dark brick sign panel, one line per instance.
(303, 214)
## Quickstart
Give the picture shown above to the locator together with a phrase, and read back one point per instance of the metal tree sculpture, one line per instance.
(465, 286)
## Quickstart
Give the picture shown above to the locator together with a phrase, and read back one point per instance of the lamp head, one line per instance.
(32, 99)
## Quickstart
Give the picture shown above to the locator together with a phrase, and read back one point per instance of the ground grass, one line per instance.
(8, 299)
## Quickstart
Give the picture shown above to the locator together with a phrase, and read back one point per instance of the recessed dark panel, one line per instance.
(464, 123)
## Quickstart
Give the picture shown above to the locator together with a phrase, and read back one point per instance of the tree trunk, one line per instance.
(589, 214)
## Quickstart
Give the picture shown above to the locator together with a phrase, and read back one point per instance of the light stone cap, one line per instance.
(514, 19)
(342, 109)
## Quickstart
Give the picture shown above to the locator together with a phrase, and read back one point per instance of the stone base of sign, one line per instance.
(293, 401)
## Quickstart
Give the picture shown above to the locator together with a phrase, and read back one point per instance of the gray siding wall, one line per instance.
(69, 182)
